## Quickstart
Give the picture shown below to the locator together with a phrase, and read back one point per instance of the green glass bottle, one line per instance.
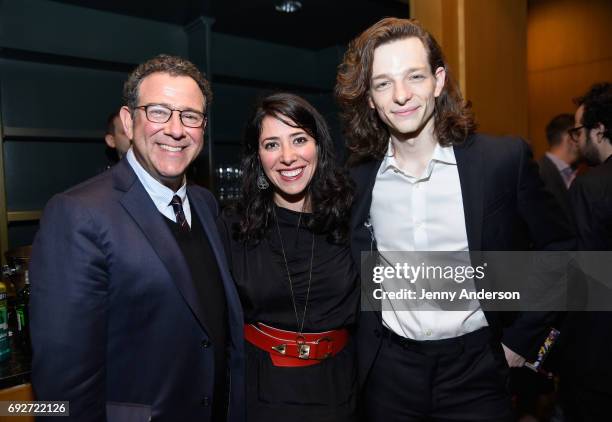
(23, 316)
(5, 346)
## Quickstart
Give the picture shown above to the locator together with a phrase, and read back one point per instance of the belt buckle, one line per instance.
(281, 348)
(329, 341)
(302, 348)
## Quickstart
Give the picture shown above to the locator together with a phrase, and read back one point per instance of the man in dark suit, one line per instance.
(427, 182)
(556, 166)
(593, 191)
(587, 369)
(134, 313)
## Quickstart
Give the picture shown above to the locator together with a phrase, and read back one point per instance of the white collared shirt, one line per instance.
(159, 193)
(422, 213)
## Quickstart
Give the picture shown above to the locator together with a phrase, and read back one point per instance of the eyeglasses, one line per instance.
(157, 113)
(574, 133)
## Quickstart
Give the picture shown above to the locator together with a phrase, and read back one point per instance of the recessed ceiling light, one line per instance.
(288, 6)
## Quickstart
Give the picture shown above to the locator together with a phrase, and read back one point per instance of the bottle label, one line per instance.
(21, 322)
(3, 327)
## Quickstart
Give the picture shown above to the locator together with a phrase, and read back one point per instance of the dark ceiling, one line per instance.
(319, 24)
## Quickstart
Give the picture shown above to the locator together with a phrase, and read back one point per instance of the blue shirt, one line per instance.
(159, 193)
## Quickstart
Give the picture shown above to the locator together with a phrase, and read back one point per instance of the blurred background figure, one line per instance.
(116, 140)
(592, 192)
(586, 391)
(558, 165)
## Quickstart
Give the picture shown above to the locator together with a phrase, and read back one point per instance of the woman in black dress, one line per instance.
(288, 246)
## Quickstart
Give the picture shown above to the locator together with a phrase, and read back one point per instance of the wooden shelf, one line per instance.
(26, 133)
(65, 60)
(34, 215)
(269, 85)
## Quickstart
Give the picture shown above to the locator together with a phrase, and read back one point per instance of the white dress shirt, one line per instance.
(159, 193)
(423, 213)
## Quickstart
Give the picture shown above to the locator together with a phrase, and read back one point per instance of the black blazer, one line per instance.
(506, 208)
(553, 182)
(588, 342)
(592, 195)
(117, 326)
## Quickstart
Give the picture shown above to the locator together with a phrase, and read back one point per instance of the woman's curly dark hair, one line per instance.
(330, 191)
(367, 135)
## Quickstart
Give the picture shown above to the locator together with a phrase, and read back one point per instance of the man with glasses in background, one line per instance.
(586, 390)
(154, 332)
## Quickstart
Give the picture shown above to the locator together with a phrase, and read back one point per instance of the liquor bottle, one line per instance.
(9, 274)
(23, 316)
(5, 346)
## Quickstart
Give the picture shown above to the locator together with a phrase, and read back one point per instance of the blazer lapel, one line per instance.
(364, 179)
(471, 178)
(198, 204)
(139, 205)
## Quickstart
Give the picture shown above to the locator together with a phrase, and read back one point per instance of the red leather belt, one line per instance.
(288, 348)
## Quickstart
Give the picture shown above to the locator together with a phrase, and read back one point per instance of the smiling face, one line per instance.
(165, 149)
(402, 88)
(288, 156)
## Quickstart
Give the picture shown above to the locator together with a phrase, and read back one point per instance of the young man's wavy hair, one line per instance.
(368, 136)
(329, 192)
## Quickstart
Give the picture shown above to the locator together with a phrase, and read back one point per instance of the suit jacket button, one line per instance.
(205, 344)
(205, 401)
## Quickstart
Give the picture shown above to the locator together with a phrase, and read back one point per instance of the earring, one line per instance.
(262, 182)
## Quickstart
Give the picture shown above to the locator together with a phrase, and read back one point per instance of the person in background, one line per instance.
(426, 181)
(290, 258)
(134, 315)
(586, 389)
(534, 394)
(116, 140)
(557, 166)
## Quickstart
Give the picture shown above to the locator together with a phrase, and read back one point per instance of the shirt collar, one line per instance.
(159, 193)
(444, 155)
(559, 163)
(440, 154)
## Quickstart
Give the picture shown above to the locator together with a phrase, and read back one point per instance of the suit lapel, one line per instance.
(198, 204)
(365, 180)
(139, 205)
(471, 178)
(551, 168)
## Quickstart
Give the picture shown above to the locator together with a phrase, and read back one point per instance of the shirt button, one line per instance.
(205, 401)
(205, 344)
(428, 333)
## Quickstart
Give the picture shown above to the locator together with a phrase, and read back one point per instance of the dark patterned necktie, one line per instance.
(177, 206)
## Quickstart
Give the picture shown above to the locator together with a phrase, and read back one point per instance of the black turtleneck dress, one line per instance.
(322, 392)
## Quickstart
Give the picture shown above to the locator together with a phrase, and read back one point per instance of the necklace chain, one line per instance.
(300, 326)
